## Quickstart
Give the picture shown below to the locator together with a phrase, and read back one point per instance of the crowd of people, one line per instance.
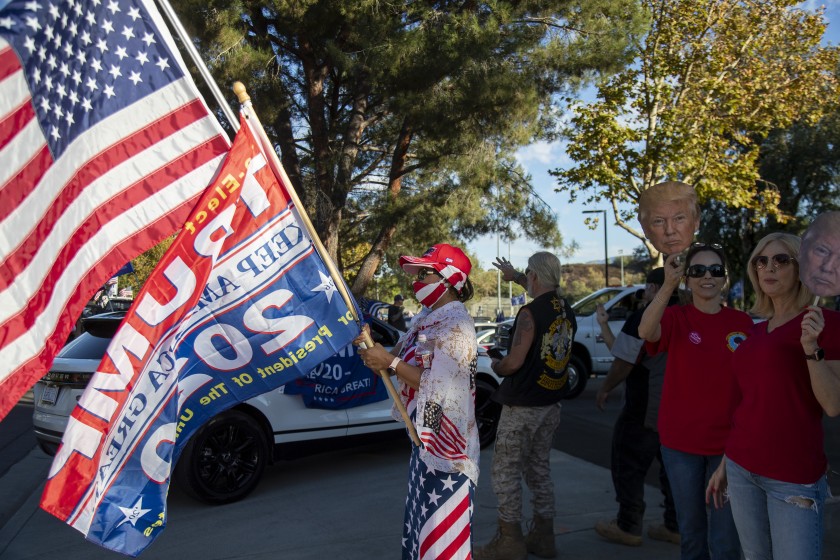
(731, 407)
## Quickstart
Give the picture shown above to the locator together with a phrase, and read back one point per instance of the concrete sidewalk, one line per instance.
(299, 512)
(337, 505)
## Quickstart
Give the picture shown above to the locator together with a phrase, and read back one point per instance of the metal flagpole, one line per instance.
(170, 14)
(277, 167)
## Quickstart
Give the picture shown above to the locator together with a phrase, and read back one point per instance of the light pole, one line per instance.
(498, 279)
(606, 254)
(621, 256)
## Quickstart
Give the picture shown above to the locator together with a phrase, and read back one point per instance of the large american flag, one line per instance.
(438, 514)
(104, 146)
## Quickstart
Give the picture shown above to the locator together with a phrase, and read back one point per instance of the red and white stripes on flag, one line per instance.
(447, 442)
(438, 513)
(105, 145)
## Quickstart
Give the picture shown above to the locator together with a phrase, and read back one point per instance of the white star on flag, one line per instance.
(133, 513)
(327, 286)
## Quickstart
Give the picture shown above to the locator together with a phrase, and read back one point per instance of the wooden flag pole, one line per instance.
(274, 161)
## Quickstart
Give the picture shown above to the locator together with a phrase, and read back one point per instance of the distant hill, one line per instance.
(581, 279)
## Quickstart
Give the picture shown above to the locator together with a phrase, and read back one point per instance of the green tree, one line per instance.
(712, 79)
(145, 263)
(802, 164)
(405, 115)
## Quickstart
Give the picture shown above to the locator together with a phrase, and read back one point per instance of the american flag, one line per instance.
(438, 514)
(440, 436)
(105, 144)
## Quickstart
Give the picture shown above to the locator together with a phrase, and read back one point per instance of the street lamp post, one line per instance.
(606, 253)
(621, 256)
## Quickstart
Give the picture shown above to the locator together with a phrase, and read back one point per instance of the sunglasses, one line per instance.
(760, 262)
(700, 245)
(699, 270)
(425, 272)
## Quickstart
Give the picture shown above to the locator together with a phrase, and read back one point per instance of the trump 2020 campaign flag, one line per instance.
(240, 304)
(105, 146)
(340, 382)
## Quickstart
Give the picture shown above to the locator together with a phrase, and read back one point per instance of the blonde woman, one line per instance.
(788, 375)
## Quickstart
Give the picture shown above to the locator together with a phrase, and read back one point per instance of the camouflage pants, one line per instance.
(523, 443)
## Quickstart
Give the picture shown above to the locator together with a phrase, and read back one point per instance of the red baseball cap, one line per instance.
(449, 261)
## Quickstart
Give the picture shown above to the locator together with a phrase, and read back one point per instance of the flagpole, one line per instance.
(277, 167)
(170, 14)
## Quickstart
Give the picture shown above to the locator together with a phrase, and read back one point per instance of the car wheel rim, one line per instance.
(486, 415)
(573, 376)
(229, 459)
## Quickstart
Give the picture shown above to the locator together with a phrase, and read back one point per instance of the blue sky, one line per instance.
(540, 157)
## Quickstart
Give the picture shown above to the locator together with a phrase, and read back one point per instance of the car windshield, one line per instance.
(587, 305)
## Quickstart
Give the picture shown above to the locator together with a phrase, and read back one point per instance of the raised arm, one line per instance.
(603, 319)
(825, 374)
(649, 328)
(510, 274)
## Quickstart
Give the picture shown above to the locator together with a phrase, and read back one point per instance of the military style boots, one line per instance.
(508, 544)
(540, 539)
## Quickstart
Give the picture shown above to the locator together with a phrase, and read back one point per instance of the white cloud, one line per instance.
(539, 152)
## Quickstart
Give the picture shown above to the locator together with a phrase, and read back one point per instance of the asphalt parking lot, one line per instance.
(343, 504)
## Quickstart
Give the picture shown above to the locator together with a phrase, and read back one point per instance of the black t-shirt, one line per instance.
(395, 317)
(637, 391)
(542, 379)
(636, 384)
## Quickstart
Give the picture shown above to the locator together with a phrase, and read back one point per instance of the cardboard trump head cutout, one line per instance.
(669, 215)
(819, 256)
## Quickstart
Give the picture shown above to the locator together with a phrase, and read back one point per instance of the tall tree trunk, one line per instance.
(282, 128)
(333, 201)
(315, 73)
(383, 239)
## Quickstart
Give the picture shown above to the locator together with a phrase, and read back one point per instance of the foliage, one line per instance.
(712, 79)
(408, 113)
(145, 264)
(802, 164)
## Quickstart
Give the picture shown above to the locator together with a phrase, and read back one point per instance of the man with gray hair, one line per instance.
(535, 380)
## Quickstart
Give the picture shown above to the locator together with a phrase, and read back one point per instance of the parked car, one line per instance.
(590, 355)
(224, 460)
(486, 338)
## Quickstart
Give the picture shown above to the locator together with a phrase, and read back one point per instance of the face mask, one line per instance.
(429, 294)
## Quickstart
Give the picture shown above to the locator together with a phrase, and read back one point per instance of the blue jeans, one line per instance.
(776, 519)
(705, 532)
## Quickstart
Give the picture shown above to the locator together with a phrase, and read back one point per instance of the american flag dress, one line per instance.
(443, 473)
(438, 513)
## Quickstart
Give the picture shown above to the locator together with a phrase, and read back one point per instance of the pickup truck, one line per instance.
(590, 355)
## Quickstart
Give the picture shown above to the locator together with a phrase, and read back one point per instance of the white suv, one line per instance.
(225, 458)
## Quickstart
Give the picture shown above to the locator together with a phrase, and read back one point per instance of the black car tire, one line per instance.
(487, 412)
(224, 460)
(578, 376)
